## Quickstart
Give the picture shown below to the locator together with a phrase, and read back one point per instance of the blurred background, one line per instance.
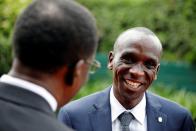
(174, 22)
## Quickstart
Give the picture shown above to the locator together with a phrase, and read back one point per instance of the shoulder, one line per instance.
(167, 106)
(55, 125)
(82, 107)
(37, 120)
(176, 114)
(87, 101)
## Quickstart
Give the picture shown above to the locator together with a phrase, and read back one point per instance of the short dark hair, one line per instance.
(52, 33)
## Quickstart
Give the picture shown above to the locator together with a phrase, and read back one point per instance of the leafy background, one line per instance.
(172, 20)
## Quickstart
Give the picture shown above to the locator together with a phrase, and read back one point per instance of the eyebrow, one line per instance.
(134, 53)
(128, 53)
(153, 58)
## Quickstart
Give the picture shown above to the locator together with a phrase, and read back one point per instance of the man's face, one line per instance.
(134, 63)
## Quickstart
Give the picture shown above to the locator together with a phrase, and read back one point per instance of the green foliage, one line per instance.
(172, 20)
(9, 10)
(92, 87)
(5, 58)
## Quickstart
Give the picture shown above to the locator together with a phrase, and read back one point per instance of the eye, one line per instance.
(128, 59)
(150, 64)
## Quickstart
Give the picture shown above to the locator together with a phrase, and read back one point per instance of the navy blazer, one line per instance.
(93, 113)
(22, 110)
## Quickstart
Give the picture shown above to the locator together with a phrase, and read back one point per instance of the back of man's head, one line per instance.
(52, 33)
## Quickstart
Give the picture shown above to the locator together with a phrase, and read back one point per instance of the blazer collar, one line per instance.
(156, 120)
(100, 116)
(14, 94)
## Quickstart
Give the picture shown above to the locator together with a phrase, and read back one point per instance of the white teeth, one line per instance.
(133, 84)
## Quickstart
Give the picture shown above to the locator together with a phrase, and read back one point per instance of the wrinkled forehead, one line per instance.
(132, 37)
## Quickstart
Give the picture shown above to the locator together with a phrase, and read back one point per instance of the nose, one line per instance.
(136, 70)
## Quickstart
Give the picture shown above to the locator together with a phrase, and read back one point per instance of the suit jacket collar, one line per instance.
(156, 120)
(14, 94)
(101, 112)
(27, 85)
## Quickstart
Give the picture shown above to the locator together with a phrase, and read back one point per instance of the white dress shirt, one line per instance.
(139, 112)
(31, 87)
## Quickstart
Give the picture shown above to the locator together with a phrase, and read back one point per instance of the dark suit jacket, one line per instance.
(93, 113)
(22, 110)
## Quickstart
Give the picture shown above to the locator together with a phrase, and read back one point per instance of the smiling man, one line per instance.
(126, 105)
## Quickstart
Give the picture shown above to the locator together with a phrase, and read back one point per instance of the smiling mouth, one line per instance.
(134, 85)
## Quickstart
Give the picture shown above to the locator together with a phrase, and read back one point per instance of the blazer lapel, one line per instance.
(156, 120)
(100, 116)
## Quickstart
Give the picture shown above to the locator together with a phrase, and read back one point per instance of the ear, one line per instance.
(79, 67)
(80, 74)
(76, 78)
(157, 70)
(72, 73)
(110, 60)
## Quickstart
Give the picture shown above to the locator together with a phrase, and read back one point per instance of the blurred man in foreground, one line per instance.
(126, 105)
(54, 44)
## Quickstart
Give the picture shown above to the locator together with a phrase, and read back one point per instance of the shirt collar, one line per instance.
(139, 111)
(31, 87)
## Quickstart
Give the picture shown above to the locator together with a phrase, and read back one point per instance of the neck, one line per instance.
(45, 80)
(129, 102)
